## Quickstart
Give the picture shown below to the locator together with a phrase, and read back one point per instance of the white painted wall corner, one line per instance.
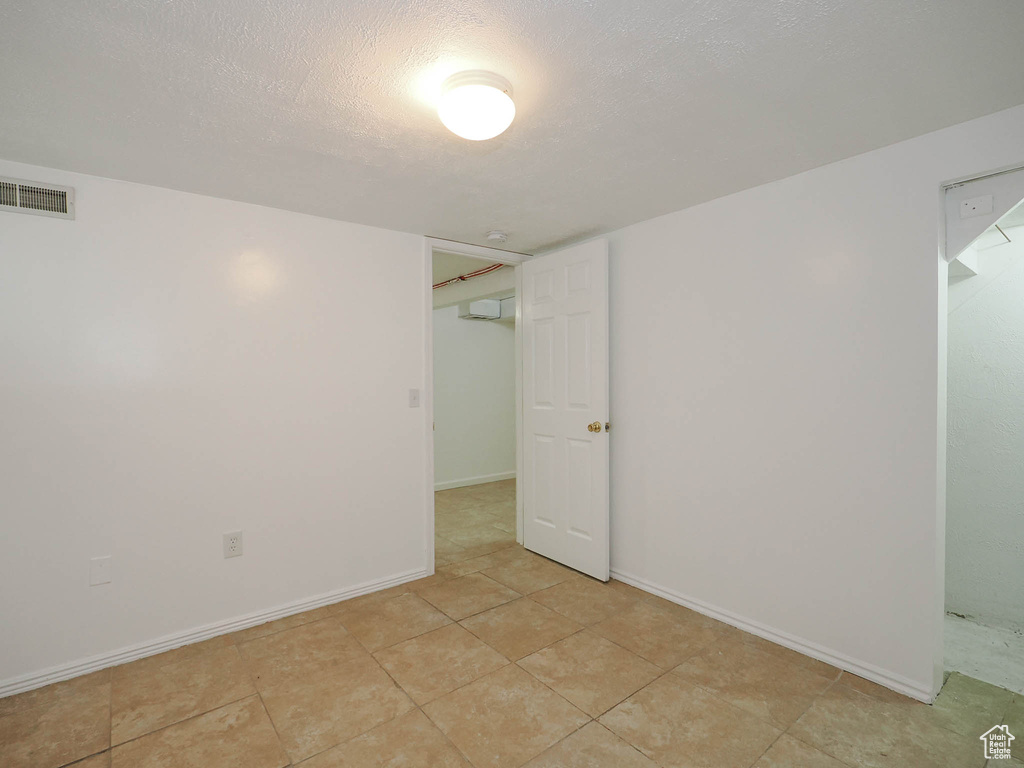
(870, 672)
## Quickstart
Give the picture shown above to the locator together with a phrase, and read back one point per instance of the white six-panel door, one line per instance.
(565, 391)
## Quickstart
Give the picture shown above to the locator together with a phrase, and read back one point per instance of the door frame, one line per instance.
(942, 430)
(512, 259)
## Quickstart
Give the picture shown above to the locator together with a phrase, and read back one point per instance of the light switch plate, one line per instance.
(414, 398)
(99, 571)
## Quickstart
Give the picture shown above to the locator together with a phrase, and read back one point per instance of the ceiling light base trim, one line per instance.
(477, 77)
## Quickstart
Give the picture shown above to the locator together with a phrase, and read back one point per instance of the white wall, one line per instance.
(775, 394)
(176, 366)
(985, 498)
(474, 400)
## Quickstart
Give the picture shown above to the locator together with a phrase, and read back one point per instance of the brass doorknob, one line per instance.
(595, 427)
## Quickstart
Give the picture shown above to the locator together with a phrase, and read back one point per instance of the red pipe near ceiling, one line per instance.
(468, 276)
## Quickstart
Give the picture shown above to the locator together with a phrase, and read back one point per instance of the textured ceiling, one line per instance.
(626, 110)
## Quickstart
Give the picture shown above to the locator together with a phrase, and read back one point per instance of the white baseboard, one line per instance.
(478, 480)
(33, 680)
(870, 672)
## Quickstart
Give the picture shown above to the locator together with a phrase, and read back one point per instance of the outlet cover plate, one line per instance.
(233, 544)
(976, 206)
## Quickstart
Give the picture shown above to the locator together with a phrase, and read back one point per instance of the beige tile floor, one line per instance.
(502, 659)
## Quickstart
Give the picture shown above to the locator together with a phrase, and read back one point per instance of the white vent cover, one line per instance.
(20, 196)
(484, 309)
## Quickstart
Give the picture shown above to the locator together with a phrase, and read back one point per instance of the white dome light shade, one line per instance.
(476, 105)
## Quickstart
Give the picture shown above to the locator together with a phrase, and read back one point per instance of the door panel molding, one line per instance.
(564, 314)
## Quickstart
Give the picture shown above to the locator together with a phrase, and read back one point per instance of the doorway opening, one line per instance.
(983, 627)
(560, 411)
(474, 405)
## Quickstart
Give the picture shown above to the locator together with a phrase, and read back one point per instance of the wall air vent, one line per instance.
(19, 196)
(484, 309)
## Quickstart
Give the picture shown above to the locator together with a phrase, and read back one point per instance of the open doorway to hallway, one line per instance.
(560, 399)
(984, 623)
(474, 349)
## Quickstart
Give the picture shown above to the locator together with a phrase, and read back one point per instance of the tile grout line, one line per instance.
(831, 685)
(259, 693)
(583, 628)
(195, 716)
(590, 719)
(420, 707)
(110, 718)
(713, 694)
(385, 722)
(510, 662)
(785, 731)
(238, 643)
(78, 760)
(378, 725)
(445, 735)
(255, 691)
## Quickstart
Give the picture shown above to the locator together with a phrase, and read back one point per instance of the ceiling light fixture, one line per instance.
(476, 105)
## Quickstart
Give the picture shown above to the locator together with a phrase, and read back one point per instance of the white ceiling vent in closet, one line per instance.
(19, 196)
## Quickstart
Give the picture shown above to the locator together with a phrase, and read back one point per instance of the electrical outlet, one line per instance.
(233, 544)
(99, 571)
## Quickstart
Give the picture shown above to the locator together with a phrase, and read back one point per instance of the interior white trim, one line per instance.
(938, 647)
(862, 669)
(428, 400)
(1012, 168)
(479, 251)
(478, 480)
(29, 682)
(520, 461)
